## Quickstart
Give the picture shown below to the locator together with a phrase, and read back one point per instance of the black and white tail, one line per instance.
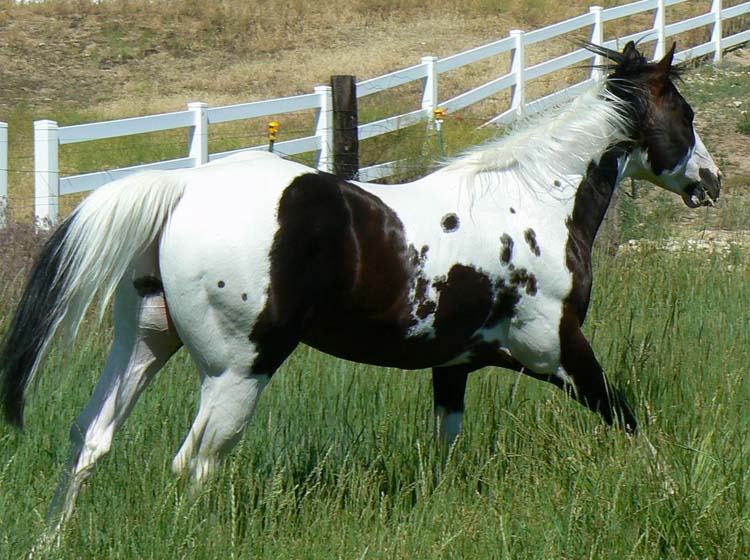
(87, 255)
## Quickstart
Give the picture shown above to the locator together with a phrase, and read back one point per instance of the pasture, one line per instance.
(339, 461)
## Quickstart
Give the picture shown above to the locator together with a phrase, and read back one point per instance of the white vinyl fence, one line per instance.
(198, 117)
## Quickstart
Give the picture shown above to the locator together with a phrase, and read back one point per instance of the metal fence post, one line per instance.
(597, 38)
(3, 174)
(517, 68)
(324, 128)
(659, 23)
(198, 138)
(430, 87)
(716, 32)
(46, 173)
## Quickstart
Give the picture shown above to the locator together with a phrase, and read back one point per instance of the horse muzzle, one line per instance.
(704, 192)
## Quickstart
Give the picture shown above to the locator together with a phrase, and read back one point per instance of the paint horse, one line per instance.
(486, 262)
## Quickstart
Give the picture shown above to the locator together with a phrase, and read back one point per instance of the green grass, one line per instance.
(339, 460)
(743, 124)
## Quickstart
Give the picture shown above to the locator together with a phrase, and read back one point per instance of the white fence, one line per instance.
(48, 136)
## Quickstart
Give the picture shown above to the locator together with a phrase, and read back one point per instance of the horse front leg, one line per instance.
(448, 390)
(582, 377)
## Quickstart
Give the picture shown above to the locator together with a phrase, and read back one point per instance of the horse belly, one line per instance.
(380, 344)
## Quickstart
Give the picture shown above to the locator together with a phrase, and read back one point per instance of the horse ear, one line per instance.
(630, 52)
(663, 66)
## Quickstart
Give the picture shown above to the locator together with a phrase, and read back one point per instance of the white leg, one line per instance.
(144, 341)
(447, 425)
(227, 403)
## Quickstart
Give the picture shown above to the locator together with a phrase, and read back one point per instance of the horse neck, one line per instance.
(594, 195)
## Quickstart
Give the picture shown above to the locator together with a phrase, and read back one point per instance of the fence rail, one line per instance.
(198, 117)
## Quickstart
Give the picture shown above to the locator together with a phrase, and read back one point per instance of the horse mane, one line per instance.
(559, 143)
(547, 148)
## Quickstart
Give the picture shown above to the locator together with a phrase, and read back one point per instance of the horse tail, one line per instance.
(87, 255)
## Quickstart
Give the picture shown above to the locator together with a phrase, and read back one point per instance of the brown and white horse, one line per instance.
(486, 262)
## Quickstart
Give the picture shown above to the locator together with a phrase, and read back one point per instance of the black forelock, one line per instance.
(630, 65)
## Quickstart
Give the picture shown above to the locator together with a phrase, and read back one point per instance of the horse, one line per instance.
(484, 262)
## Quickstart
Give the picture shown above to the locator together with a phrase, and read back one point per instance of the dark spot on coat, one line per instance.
(504, 304)
(530, 236)
(512, 210)
(221, 284)
(418, 258)
(531, 287)
(557, 183)
(450, 223)
(148, 286)
(244, 297)
(524, 279)
(506, 253)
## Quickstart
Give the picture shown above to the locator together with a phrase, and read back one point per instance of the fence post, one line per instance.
(345, 131)
(324, 128)
(430, 87)
(198, 135)
(597, 38)
(3, 174)
(517, 68)
(46, 173)
(659, 23)
(716, 32)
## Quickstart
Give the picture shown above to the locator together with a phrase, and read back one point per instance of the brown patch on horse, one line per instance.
(464, 303)
(343, 280)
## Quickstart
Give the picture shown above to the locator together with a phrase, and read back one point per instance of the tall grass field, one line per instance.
(340, 462)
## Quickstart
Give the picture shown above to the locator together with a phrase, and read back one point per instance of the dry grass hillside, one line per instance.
(136, 56)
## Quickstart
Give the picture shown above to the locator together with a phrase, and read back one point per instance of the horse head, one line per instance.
(665, 148)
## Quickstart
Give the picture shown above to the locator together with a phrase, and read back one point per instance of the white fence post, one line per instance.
(198, 138)
(46, 173)
(430, 87)
(716, 33)
(324, 128)
(659, 23)
(597, 38)
(517, 68)
(3, 174)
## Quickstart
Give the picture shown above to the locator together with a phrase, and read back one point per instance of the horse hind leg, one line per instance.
(228, 400)
(144, 340)
(227, 403)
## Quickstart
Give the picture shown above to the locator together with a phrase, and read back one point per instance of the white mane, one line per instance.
(550, 147)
